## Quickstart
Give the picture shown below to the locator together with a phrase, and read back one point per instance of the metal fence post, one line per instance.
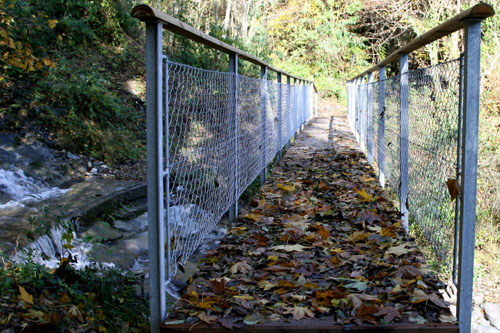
(403, 127)
(369, 118)
(233, 68)
(358, 108)
(458, 167)
(280, 120)
(470, 127)
(156, 222)
(289, 111)
(365, 116)
(296, 109)
(263, 119)
(316, 97)
(381, 127)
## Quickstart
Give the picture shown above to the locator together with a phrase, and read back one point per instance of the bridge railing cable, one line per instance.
(419, 128)
(210, 134)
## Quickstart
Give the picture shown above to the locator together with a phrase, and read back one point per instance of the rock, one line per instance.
(137, 244)
(73, 156)
(102, 232)
(137, 225)
(6, 158)
(35, 152)
(477, 314)
(117, 254)
(492, 312)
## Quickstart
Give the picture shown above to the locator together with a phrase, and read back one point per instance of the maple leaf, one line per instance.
(218, 286)
(299, 312)
(399, 250)
(389, 313)
(241, 267)
(290, 248)
(206, 318)
(357, 299)
(25, 296)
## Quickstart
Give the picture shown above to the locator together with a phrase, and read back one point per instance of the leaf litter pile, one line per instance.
(320, 240)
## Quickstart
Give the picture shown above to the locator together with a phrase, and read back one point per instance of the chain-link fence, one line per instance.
(432, 119)
(213, 157)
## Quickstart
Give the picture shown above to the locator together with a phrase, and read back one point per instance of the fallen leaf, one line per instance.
(399, 250)
(289, 248)
(27, 298)
(299, 312)
(288, 188)
(218, 287)
(206, 318)
(389, 313)
(240, 267)
(453, 188)
(365, 196)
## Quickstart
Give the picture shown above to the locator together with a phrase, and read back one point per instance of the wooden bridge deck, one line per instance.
(320, 248)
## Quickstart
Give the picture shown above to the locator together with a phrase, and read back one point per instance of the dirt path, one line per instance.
(320, 244)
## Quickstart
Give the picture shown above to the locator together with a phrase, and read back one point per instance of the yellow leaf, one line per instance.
(253, 217)
(65, 298)
(102, 329)
(288, 188)
(27, 298)
(365, 196)
(52, 23)
(245, 297)
(266, 285)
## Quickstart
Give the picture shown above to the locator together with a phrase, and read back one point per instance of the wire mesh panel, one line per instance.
(200, 156)
(433, 129)
(285, 115)
(392, 138)
(250, 147)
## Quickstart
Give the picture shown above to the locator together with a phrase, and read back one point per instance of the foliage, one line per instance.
(78, 95)
(38, 299)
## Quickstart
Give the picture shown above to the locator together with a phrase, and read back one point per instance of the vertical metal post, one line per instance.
(381, 127)
(403, 137)
(358, 107)
(470, 127)
(289, 109)
(263, 120)
(316, 97)
(458, 171)
(369, 119)
(296, 109)
(233, 68)
(156, 222)
(365, 116)
(280, 120)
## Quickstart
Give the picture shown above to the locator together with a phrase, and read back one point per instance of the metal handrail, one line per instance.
(147, 13)
(481, 10)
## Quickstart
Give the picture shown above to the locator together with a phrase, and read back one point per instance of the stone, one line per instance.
(477, 314)
(73, 156)
(492, 312)
(101, 231)
(117, 254)
(138, 244)
(6, 158)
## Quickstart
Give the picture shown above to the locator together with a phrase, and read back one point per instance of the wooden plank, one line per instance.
(147, 13)
(481, 10)
(315, 326)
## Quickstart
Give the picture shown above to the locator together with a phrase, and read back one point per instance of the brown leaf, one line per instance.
(226, 323)
(453, 188)
(218, 287)
(206, 318)
(240, 267)
(299, 312)
(389, 313)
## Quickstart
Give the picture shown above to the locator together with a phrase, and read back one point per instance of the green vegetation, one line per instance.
(40, 299)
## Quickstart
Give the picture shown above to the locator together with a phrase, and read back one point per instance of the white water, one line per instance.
(48, 249)
(23, 189)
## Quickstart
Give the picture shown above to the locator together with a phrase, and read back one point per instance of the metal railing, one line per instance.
(420, 129)
(210, 134)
